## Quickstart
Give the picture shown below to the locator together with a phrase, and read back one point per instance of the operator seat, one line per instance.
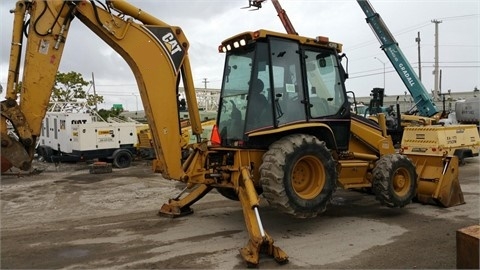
(257, 97)
(259, 107)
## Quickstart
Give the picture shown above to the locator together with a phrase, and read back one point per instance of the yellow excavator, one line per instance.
(284, 128)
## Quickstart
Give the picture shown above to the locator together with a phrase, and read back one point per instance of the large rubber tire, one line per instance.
(41, 152)
(462, 154)
(45, 152)
(394, 180)
(122, 159)
(298, 175)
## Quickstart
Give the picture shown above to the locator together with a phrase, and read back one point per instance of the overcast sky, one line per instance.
(207, 22)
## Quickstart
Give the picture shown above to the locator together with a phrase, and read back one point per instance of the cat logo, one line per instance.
(171, 43)
(174, 49)
(81, 121)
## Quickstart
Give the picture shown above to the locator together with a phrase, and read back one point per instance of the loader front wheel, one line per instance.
(394, 180)
(298, 175)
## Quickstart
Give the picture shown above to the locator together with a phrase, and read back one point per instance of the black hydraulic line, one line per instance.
(49, 31)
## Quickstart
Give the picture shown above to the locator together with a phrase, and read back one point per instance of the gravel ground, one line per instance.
(67, 218)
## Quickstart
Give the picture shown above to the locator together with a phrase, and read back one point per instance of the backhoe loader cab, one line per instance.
(276, 84)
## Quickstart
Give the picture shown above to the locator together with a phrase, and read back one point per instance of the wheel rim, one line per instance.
(401, 182)
(308, 177)
(123, 161)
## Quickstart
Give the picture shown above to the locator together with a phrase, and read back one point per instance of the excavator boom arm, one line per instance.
(125, 30)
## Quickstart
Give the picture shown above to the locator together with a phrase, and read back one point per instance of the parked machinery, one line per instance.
(466, 144)
(284, 128)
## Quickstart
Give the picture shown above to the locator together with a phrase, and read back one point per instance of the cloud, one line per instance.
(206, 23)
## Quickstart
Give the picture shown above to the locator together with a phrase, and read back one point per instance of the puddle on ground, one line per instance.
(74, 253)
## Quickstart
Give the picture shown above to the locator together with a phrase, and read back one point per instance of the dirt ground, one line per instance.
(67, 218)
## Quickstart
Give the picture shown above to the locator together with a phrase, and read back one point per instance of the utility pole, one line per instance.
(436, 92)
(440, 83)
(94, 92)
(136, 103)
(417, 39)
(205, 81)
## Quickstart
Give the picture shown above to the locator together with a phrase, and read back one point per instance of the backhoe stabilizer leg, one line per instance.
(181, 207)
(251, 252)
(259, 240)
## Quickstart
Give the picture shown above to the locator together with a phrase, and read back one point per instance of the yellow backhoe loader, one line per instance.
(284, 128)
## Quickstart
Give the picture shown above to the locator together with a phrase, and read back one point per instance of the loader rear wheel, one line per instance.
(298, 175)
(394, 180)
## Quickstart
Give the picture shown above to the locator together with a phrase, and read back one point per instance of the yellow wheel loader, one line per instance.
(284, 128)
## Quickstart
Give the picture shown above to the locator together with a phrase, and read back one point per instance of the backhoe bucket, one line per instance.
(438, 180)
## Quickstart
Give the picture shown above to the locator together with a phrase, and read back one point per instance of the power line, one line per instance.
(379, 71)
(460, 17)
(400, 32)
(108, 85)
(449, 45)
(452, 62)
(411, 28)
(370, 74)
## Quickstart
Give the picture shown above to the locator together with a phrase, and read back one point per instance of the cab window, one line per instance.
(324, 83)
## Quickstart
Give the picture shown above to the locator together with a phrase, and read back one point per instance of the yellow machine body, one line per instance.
(295, 163)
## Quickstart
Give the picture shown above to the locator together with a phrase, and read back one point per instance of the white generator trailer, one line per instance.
(73, 137)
